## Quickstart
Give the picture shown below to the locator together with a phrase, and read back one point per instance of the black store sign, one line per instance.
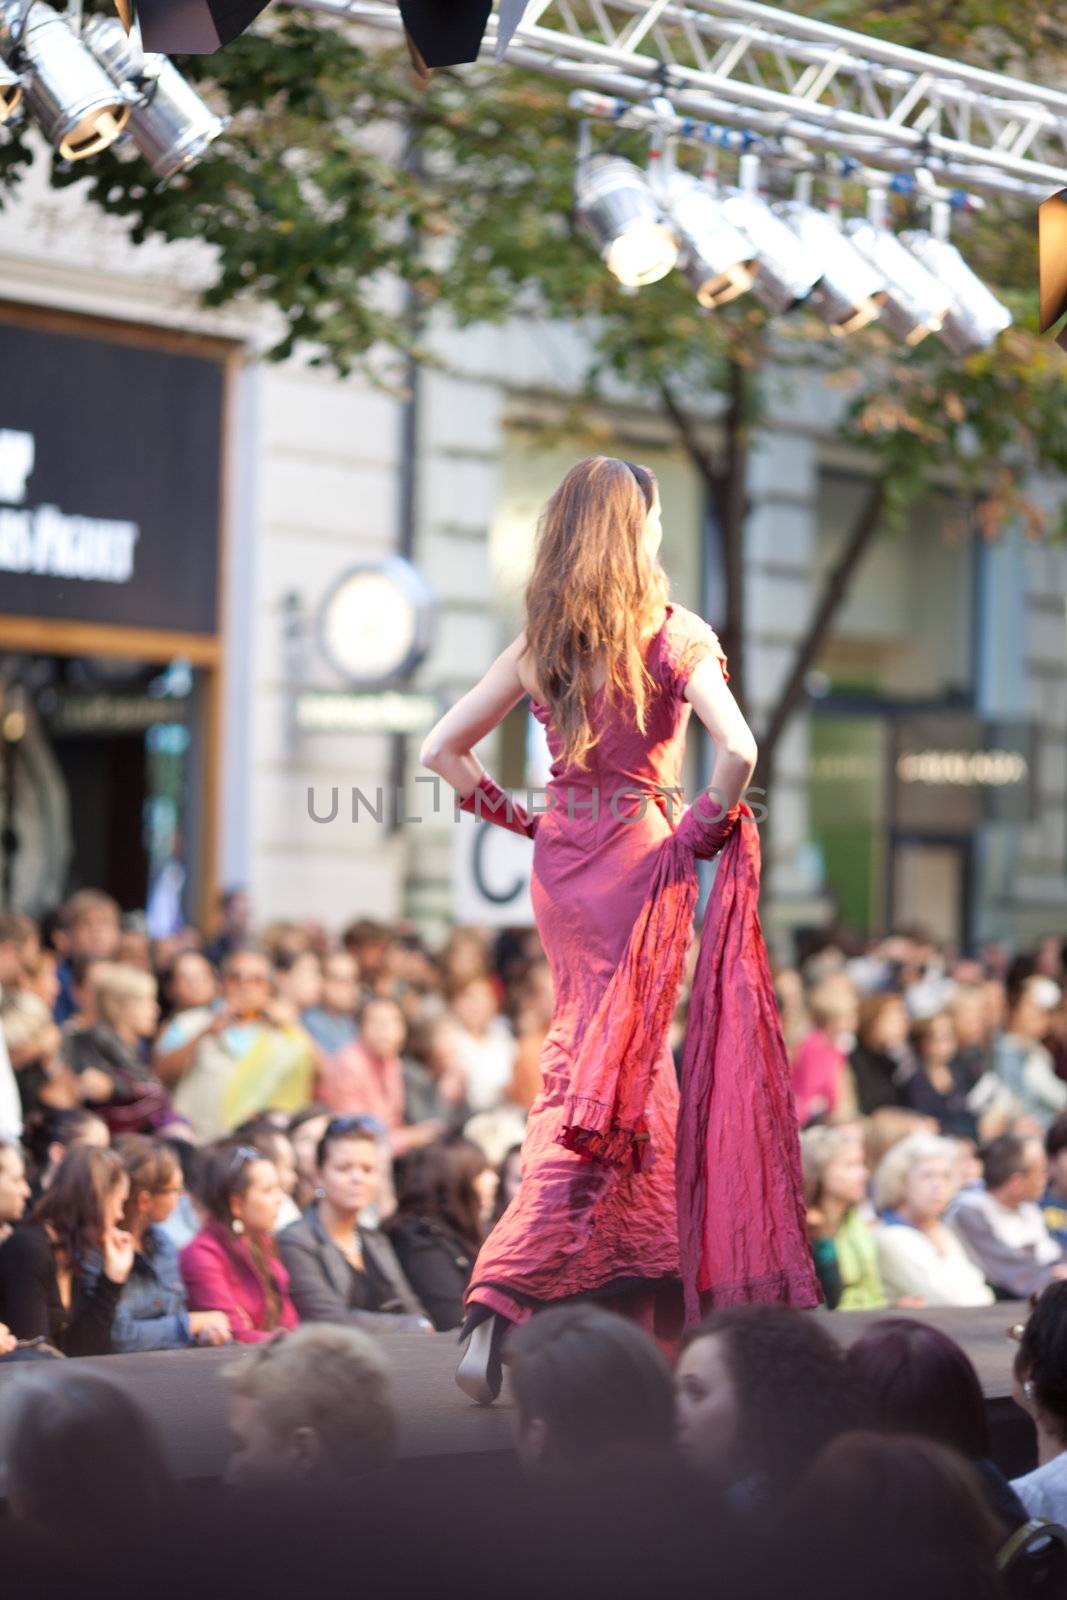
(109, 482)
(952, 772)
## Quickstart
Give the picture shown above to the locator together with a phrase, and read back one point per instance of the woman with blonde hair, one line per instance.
(613, 669)
(835, 1190)
(105, 1057)
(920, 1259)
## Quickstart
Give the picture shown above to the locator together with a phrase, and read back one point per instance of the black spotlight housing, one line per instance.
(189, 27)
(446, 33)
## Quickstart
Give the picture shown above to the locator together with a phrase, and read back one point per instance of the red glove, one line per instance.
(487, 799)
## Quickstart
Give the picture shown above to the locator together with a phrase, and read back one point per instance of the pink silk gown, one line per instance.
(613, 890)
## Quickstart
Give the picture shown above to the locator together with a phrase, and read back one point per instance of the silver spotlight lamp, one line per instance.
(10, 92)
(77, 107)
(785, 270)
(914, 302)
(975, 316)
(169, 123)
(719, 260)
(849, 293)
(619, 212)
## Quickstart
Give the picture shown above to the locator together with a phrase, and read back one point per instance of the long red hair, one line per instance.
(592, 596)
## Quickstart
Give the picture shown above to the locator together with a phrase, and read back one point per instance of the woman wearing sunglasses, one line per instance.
(340, 1269)
(232, 1265)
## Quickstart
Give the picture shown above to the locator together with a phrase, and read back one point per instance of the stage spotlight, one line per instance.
(77, 107)
(171, 126)
(10, 92)
(976, 316)
(914, 302)
(785, 270)
(719, 259)
(619, 212)
(850, 291)
(1052, 261)
(188, 27)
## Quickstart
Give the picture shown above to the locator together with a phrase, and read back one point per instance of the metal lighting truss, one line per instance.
(782, 77)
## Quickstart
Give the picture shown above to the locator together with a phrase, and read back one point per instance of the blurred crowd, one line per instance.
(277, 1138)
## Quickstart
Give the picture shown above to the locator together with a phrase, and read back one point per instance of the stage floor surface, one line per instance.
(186, 1390)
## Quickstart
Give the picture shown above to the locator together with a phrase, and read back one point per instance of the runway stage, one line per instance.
(186, 1393)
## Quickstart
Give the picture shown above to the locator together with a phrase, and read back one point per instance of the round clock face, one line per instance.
(372, 622)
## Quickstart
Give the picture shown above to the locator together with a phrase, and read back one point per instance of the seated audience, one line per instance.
(339, 1270)
(62, 1273)
(65, 1131)
(1054, 1199)
(315, 1408)
(888, 1518)
(1021, 1060)
(921, 1382)
(940, 1086)
(437, 1228)
(14, 1188)
(88, 929)
(191, 991)
(1040, 1387)
(332, 1021)
(835, 1190)
(592, 1394)
(153, 1313)
(105, 1058)
(759, 1391)
(888, 1126)
(252, 1059)
(484, 1041)
(33, 1042)
(920, 1259)
(366, 1078)
(233, 1265)
(881, 1059)
(969, 1014)
(822, 1086)
(85, 1465)
(1000, 1224)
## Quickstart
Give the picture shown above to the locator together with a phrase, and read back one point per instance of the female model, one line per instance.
(612, 668)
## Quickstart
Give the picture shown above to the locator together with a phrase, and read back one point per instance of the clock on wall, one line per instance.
(374, 623)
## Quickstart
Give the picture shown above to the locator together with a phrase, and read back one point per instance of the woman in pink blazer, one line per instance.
(232, 1265)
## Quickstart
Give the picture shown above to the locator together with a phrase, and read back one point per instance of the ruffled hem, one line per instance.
(626, 1148)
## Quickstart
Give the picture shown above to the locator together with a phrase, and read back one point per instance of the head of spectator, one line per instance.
(967, 1168)
(509, 1176)
(67, 1130)
(921, 1381)
(970, 1016)
(315, 1408)
(306, 1128)
(835, 1173)
(592, 1394)
(40, 977)
(477, 1172)
(87, 973)
(888, 1126)
(84, 1202)
(28, 1028)
(18, 946)
(434, 1183)
(84, 1462)
(265, 1136)
(1030, 1012)
(382, 1027)
(156, 1183)
(1040, 1371)
(89, 925)
(347, 1169)
(191, 982)
(340, 983)
(887, 1516)
(882, 1024)
(834, 1008)
(235, 914)
(934, 1041)
(126, 1002)
(134, 948)
(247, 985)
(1015, 1170)
(371, 944)
(759, 1391)
(474, 1005)
(465, 956)
(442, 1052)
(239, 1190)
(298, 978)
(916, 1179)
(1056, 1151)
(14, 1187)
